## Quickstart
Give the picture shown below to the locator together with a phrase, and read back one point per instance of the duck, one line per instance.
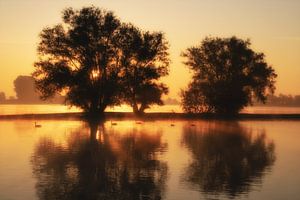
(37, 125)
(138, 122)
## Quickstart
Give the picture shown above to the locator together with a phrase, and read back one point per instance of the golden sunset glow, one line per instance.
(272, 26)
(149, 99)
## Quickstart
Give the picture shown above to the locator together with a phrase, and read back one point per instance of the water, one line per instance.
(153, 160)
(54, 108)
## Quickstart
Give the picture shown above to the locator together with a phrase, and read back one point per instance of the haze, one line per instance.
(272, 26)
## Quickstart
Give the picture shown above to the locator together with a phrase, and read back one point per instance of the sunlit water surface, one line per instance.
(55, 108)
(149, 160)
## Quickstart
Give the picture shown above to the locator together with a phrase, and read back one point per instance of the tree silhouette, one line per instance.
(104, 165)
(228, 75)
(25, 91)
(227, 158)
(144, 61)
(78, 58)
(97, 61)
(2, 97)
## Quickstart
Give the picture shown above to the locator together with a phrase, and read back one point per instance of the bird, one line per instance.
(37, 125)
(138, 122)
(172, 124)
(193, 125)
(113, 123)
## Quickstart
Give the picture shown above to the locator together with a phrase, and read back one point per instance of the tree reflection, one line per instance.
(104, 165)
(227, 158)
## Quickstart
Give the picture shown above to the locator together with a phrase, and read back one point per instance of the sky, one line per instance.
(273, 26)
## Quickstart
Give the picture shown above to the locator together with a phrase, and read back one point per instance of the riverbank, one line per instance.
(154, 116)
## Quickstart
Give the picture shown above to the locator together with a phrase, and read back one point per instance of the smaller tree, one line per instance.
(2, 97)
(25, 90)
(144, 60)
(228, 75)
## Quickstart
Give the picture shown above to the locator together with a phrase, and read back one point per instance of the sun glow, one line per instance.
(272, 27)
(95, 74)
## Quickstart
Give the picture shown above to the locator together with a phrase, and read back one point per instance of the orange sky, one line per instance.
(272, 25)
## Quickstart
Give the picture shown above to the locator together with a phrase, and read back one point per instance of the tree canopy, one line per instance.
(85, 58)
(24, 88)
(144, 60)
(2, 97)
(227, 75)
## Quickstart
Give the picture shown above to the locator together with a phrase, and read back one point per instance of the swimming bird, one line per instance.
(138, 122)
(37, 125)
(172, 124)
(113, 123)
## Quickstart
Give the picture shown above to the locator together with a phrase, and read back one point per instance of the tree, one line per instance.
(2, 97)
(25, 91)
(228, 75)
(78, 58)
(144, 61)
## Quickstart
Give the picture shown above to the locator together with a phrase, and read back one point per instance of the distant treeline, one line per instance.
(272, 100)
(26, 93)
(281, 100)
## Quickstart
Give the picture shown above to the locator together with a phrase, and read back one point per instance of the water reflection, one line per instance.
(105, 164)
(227, 159)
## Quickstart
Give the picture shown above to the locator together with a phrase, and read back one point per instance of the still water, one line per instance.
(149, 160)
(56, 108)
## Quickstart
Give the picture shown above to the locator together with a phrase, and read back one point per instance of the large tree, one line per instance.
(96, 62)
(227, 75)
(78, 58)
(144, 60)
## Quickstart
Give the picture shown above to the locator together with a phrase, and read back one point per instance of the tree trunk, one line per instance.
(95, 112)
(142, 109)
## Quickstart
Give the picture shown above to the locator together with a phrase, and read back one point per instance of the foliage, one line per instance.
(144, 61)
(228, 75)
(90, 59)
(78, 58)
(2, 97)
(24, 88)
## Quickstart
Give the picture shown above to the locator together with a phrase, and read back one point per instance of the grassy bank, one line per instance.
(154, 116)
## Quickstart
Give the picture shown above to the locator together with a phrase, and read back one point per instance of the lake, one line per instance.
(202, 159)
(55, 108)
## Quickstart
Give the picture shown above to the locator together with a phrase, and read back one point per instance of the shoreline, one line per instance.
(154, 116)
